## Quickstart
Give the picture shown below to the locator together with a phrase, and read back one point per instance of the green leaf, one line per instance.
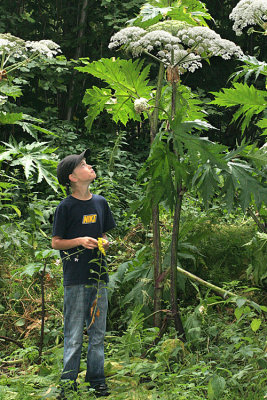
(193, 12)
(239, 312)
(10, 118)
(255, 324)
(206, 181)
(43, 130)
(251, 66)
(240, 301)
(20, 322)
(250, 101)
(10, 90)
(96, 99)
(127, 81)
(216, 387)
(239, 176)
(34, 158)
(15, 208)
(263, 125)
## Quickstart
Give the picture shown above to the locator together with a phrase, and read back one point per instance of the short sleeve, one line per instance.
(109, 222)
(60, 220)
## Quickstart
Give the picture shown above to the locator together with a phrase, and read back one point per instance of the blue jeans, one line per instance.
(78, 303)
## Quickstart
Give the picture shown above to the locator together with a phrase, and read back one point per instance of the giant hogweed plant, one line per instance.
(15, 55)
(176, 36)
(34, 158)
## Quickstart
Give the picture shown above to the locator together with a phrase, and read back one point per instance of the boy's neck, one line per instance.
(81, 193)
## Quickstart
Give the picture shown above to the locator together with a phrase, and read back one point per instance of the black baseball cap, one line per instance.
(67, 165)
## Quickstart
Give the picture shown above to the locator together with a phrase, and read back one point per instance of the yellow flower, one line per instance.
(100, 242)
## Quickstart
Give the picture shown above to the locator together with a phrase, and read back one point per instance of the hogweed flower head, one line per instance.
(44, 47)
(249, 12)
(3, 100)
(125, 36)
(176, 43)
(205, 41)
(11, 45)
(155, 41)
(141, 105)
(183, 58)
(15, 51)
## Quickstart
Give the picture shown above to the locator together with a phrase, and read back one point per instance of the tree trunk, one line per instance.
(78, 54)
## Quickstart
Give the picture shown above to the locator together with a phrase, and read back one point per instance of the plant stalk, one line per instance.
(173, 272)
(155, 212)
(175, 235)
(220, 291)
(43, 313)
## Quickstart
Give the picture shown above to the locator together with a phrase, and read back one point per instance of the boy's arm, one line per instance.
(65, 244)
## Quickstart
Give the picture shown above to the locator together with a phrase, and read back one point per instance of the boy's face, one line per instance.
(83, 173)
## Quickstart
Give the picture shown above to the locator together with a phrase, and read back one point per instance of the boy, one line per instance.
(80, 219)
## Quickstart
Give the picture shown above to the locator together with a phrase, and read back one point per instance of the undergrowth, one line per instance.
(223, 357)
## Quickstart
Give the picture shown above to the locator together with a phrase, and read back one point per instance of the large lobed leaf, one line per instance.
(35, 159)
(250, 102)
(127, 80)
(190, 11)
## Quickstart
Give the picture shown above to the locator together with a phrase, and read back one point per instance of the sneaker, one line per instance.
(101, 390)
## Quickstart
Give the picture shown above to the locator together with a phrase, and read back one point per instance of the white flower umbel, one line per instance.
(206, 42)
(15, 52)
(45, 47)
(249, 12)
(185, 60)
(141, 105)
(175, 43)
(3, 100)
(125, 36)
(11, 46)
(155, 41)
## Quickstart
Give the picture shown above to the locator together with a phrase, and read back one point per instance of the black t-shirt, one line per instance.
(75, 218)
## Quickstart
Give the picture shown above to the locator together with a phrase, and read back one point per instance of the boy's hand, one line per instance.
(88, 242)
(105, 244)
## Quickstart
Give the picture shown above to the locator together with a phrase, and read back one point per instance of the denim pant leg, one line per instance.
(96, 332)
(74, 318)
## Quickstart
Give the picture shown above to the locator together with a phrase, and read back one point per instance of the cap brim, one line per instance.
(85, 154)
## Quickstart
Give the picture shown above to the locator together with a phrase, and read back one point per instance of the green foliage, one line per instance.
(257, 270)
(225, 338)
(190, 11)
(250, 101)
(203, 166)
(116, 15)
(251, 67)
(35, 158)
(126, 80)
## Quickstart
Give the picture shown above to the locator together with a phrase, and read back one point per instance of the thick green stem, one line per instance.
(43, 313)
(155, 212)
(175, 236)
(3, 60)
(215, 288)
(173, 272)
(155, 114)
(261, 226)
(222, 292)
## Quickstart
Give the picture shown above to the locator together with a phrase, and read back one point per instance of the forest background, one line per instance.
(212, 345)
